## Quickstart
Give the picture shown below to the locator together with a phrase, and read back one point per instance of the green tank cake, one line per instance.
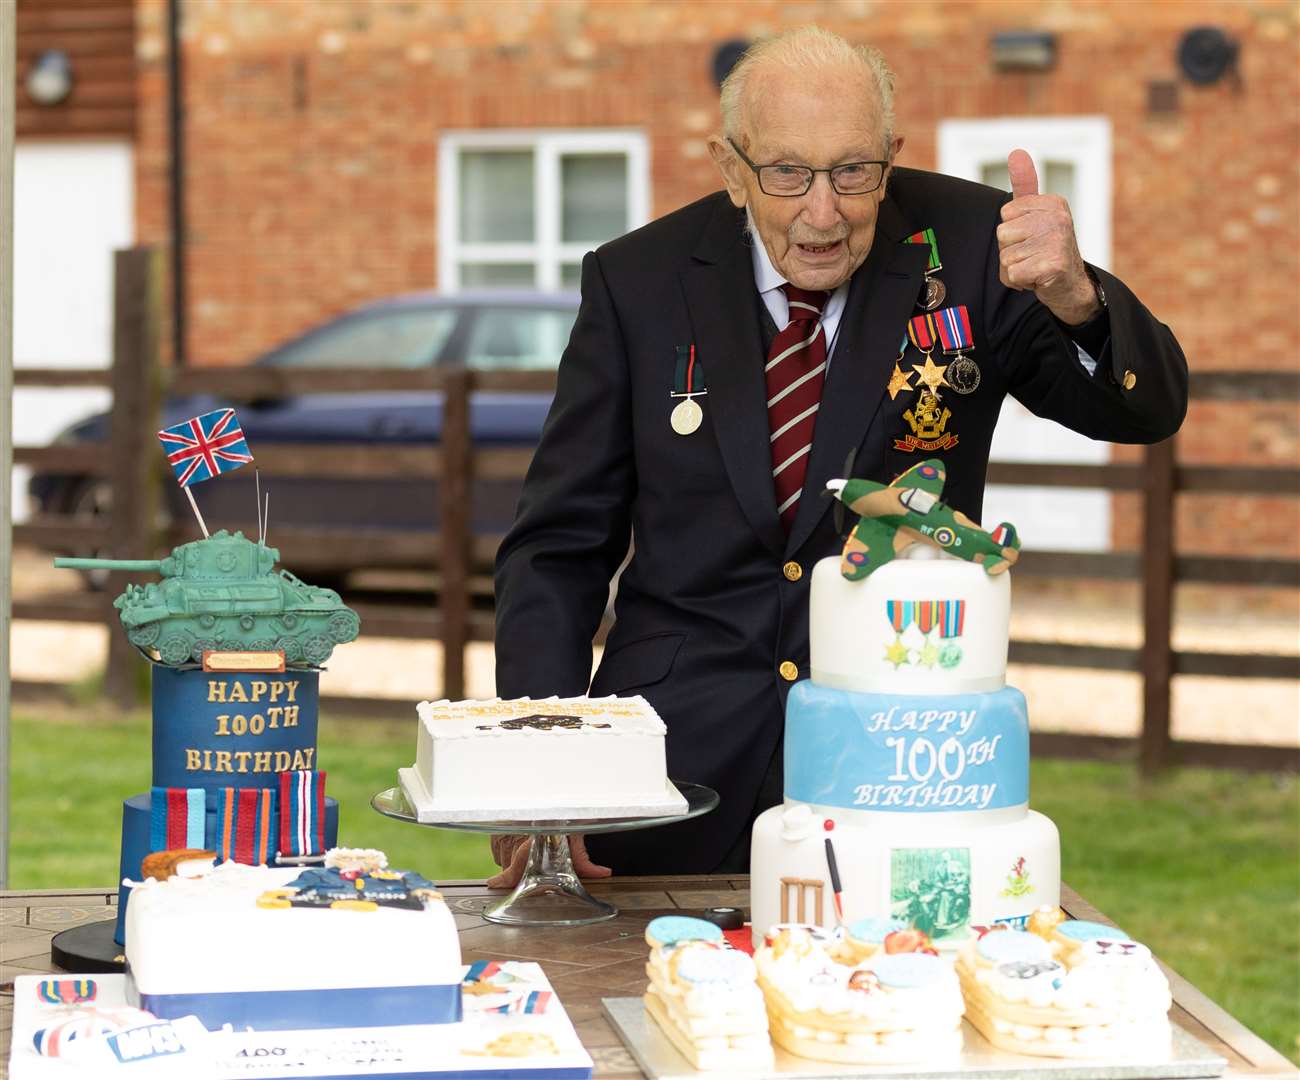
(235, 645)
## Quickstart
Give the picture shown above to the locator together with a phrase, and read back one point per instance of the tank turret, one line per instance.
(224, 593)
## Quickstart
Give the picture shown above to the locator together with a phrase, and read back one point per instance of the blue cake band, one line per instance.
(294, 1010)
(907, 753)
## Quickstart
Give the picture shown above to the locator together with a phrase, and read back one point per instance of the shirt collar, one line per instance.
(766, 276)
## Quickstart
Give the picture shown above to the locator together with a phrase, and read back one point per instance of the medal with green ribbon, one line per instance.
(688, 384)
(934, 288)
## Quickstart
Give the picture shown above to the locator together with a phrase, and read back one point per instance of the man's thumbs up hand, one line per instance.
(1037, 249)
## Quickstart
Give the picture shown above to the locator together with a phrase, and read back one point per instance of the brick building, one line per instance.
(338, 151)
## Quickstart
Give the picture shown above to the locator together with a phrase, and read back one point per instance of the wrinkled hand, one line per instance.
(1037, 249)
(510, 852)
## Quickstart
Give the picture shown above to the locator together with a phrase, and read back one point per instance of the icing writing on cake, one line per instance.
(248, 761)
(222, 691)
(948, 796)
(942, 720)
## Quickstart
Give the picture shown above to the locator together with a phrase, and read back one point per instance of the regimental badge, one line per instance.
(688, 386)
(928, 421)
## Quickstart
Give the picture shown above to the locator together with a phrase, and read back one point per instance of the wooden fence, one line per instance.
(137, 381)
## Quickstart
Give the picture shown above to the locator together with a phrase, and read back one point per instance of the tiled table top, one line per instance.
(583, 963)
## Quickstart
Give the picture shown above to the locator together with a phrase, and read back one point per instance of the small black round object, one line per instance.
(725, 918)
(725, 57)
(1206, 54)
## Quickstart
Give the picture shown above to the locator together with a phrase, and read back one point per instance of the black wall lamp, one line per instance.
(49, 79)
(1023, 50)
(1206, 54)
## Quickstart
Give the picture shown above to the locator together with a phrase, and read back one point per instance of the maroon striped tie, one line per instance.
(796, 369)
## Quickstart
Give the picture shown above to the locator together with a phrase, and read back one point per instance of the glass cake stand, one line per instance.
(550, 892)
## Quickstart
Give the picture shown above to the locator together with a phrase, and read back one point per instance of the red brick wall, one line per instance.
(313, 132)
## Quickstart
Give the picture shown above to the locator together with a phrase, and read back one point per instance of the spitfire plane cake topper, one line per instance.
(893, 517)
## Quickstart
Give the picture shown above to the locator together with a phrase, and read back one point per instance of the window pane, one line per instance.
(392, 339)
(995, 174)
(496, 196)
(1058, 179)
(594, 196)
(570, 275)
(518, 338)
(497, 275)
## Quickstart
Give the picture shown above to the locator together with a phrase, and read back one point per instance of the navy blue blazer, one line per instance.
(705, 615)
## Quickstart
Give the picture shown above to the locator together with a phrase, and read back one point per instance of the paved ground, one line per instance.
(1234, 710)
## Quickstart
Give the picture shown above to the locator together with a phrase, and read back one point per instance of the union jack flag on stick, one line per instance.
(203, 447)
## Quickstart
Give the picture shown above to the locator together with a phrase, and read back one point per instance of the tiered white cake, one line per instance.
(907, 760)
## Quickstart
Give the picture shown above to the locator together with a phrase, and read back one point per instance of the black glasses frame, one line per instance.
(810, 173)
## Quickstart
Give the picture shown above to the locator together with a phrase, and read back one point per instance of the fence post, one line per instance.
(133, 448)
(454, 524)
(1157, 604)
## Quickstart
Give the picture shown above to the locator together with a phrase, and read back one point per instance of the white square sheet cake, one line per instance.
(539, 759)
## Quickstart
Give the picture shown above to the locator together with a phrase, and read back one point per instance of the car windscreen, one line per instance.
(518, 338)
(401, 338)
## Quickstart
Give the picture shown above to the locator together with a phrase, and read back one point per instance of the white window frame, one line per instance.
(1084, 141)
(1048, 518)
(547, 250)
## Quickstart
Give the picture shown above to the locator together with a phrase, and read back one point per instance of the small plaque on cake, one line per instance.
(270, 660)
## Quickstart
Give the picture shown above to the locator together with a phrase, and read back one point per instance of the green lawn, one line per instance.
(1203, 865)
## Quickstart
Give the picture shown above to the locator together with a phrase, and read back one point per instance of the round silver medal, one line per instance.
(963, 375)
(686, 417)
(935, 291)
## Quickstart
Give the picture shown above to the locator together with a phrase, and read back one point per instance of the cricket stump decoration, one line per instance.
(235, 646)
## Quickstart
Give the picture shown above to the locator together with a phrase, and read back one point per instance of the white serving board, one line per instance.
(412, 1052)
(496, 806)
(660, 1060)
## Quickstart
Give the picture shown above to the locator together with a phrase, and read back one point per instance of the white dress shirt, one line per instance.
(769, 282)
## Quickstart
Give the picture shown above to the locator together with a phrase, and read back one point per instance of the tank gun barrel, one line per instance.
(135, 565)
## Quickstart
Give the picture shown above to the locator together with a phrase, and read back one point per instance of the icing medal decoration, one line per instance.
(932, 295)
(66, 991)
(953, 324)
(688, 384)
(948, 617)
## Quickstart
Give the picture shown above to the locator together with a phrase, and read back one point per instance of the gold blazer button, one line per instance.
(1130, 380)
(789, 670)
(792, 571)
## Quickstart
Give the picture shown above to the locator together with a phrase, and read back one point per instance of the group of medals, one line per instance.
(949, 328)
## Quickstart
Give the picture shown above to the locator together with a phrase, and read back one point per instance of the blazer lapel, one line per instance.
(723, 304)
(882, 297)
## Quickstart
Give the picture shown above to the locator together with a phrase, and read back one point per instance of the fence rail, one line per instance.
(138, 383)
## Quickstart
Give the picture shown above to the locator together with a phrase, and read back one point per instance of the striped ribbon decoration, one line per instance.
(953, 324)
(245, 825)
(302, 812)
(67, 991)
(176, 818)
(534, 1002)
(948, 615)
(954, 618)
(900, 613)
(481, 969)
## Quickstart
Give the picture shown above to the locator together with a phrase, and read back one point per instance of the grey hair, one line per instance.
(806, 48)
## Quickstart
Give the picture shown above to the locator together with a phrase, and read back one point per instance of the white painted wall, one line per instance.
(1048, 518)
(73, 206)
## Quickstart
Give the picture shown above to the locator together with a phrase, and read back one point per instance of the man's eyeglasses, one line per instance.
(851, 178)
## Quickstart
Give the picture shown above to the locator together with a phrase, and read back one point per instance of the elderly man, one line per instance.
(731, 357)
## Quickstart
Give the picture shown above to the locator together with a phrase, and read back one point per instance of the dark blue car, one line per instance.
(497, 330)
